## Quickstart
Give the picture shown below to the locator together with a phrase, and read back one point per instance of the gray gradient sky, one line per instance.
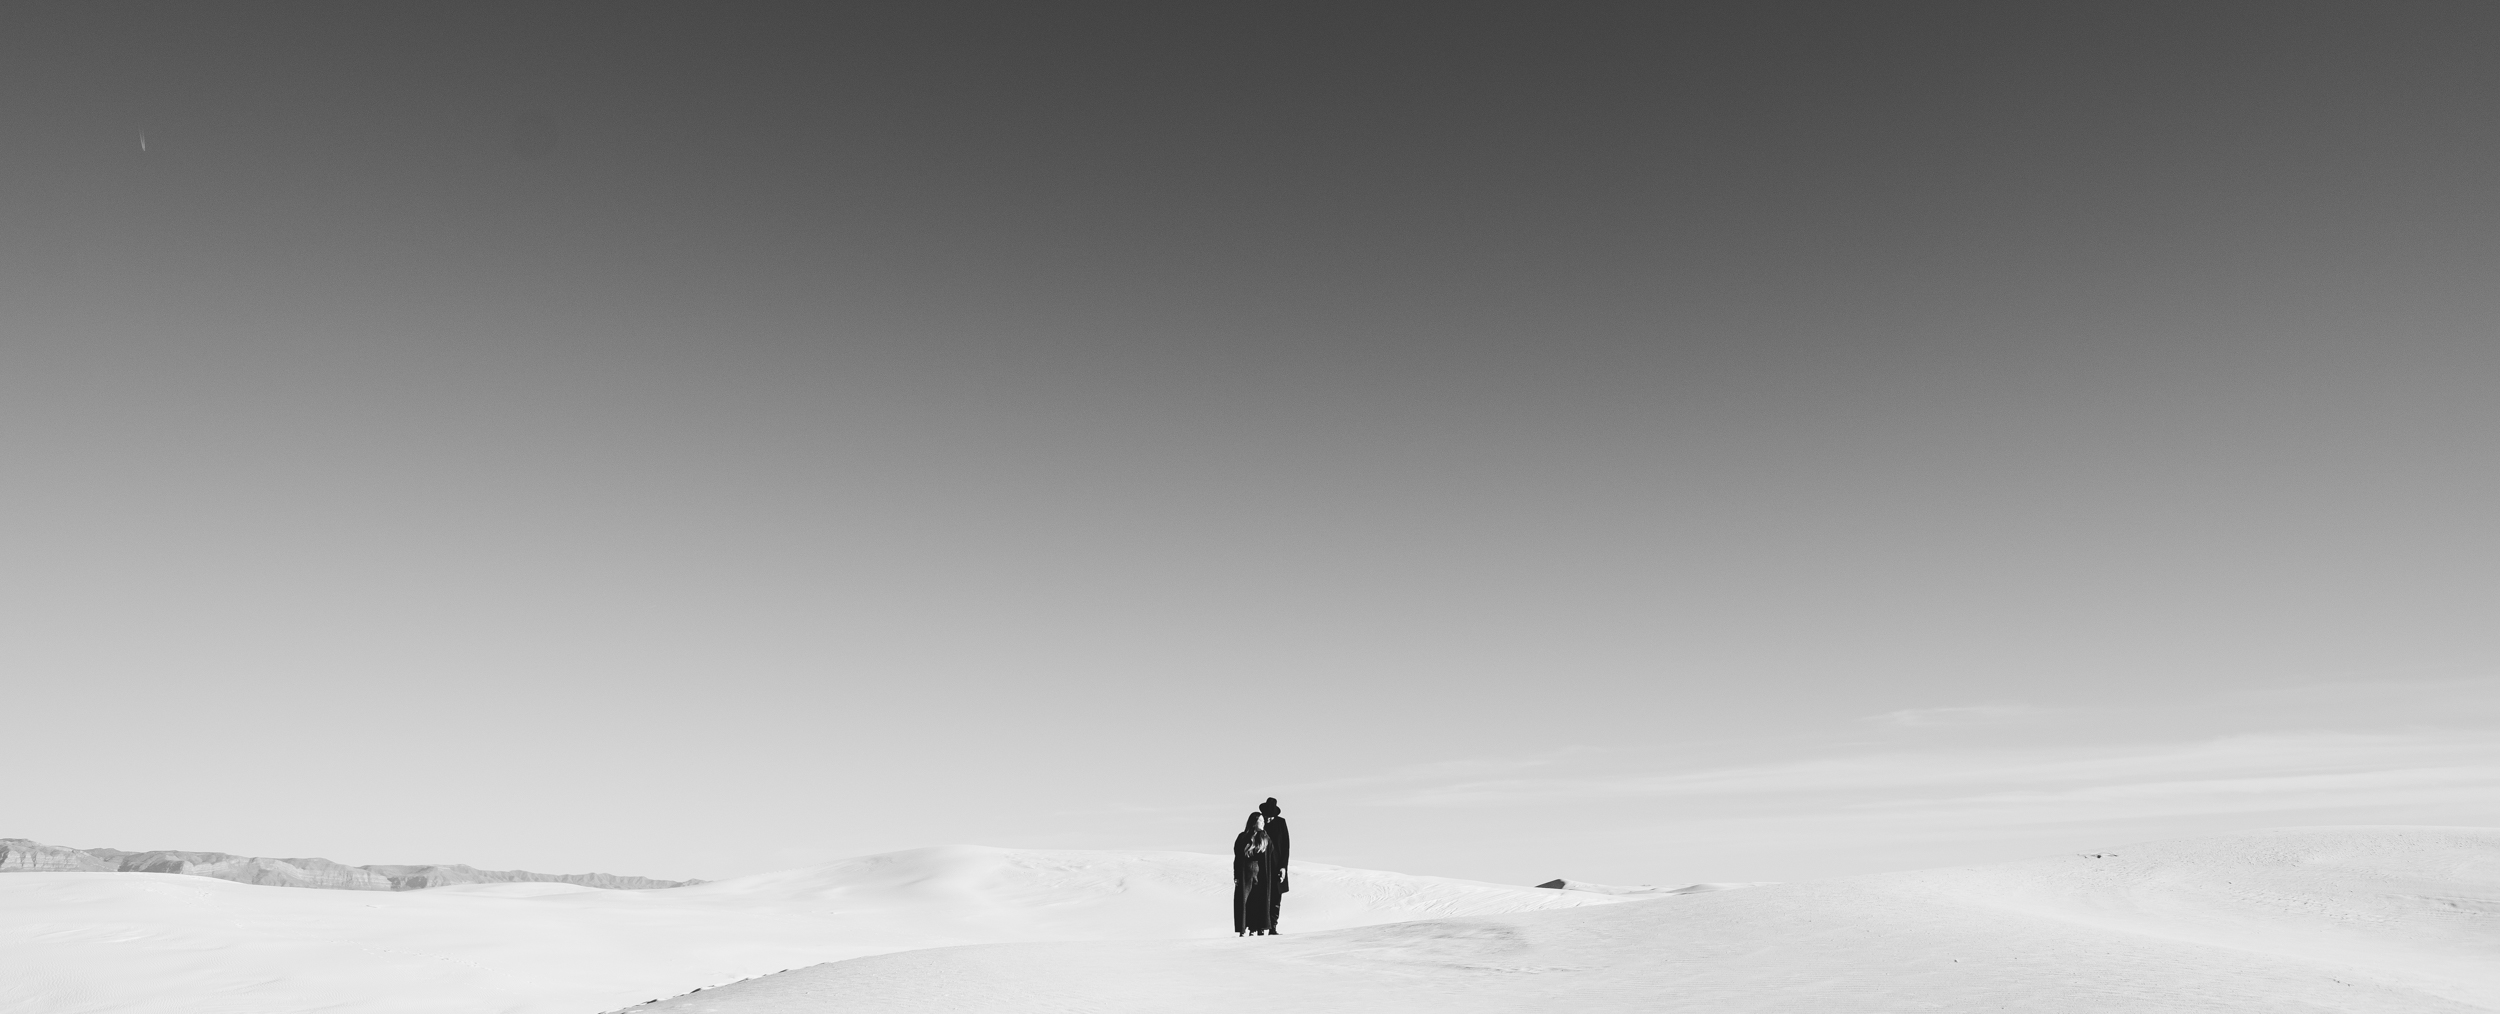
(1627, 442)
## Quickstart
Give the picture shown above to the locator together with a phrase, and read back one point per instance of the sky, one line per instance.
(1632, 443)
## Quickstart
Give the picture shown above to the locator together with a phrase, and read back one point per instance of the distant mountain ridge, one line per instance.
(19, 855)
(1582, 885)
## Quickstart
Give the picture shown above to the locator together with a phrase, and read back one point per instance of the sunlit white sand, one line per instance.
(2390, 919)
(145, 943)
(2334, 919)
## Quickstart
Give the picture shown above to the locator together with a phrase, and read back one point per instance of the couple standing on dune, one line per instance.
(1259, 885)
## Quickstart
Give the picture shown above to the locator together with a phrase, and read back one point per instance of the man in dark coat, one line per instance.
(1280, 851)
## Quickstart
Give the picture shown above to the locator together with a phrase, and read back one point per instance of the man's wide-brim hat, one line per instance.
(1270, 808)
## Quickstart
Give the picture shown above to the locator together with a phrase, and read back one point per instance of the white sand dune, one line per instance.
(2391, 920)
(2319, 919)
(145, 943)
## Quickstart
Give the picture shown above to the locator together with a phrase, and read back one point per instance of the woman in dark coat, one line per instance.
(1253, 881)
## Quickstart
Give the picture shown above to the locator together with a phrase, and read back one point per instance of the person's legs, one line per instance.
(1247, 902)
(1255, 905)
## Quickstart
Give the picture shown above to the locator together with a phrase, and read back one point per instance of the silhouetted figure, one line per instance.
(1253, 880)
(1241, 871)
(1280, 853)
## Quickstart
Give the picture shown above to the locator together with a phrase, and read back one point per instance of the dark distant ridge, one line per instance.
(18, 855)
(1582, 885)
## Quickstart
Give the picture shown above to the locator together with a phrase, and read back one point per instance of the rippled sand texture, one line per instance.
(152, 943)
(2390, 919)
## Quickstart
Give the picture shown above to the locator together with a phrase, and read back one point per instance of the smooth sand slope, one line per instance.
(146, 943)
(2388, 919)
